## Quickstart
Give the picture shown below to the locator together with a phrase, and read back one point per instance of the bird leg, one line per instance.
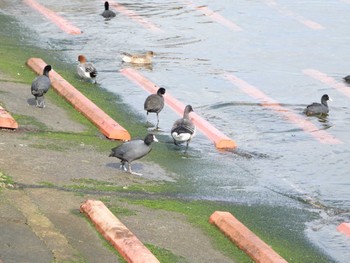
(122, 165)
(134, 173)
(186, 146)
(157, 127)
(40, 104)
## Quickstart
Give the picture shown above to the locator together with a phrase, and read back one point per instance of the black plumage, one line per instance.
(155, 103)
(318, 108)
(40, 86)
(133, 150)
(107, 13)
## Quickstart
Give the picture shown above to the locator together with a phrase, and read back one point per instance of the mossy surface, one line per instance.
(280, 227)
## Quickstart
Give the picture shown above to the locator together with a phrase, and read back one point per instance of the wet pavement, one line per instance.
(266, 45)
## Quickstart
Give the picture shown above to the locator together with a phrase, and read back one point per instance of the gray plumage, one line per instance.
(107, 13)
(133, 150)
(40, 86)
(183, 129)
(318, 108)
(155, 103)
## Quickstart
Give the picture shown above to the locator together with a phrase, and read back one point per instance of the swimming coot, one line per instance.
(155, 103)
(107, 13)
(318, 108)
(40, 86)
(183, 129)
(133, 150)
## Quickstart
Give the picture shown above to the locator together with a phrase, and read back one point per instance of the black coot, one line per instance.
(318, 108)
(133, 150)
(155, 103)
(107, 13)
(40, 86)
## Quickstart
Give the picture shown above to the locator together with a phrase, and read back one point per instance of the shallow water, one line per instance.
(276, 162)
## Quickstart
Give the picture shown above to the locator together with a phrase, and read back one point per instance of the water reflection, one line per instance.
(192, 53)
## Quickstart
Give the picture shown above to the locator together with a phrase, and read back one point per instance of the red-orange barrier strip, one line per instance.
(245, 239)
(307, 22)
(328, 81)
(344, 228)
(215, 16)
(110, 128)
(6, 120)
(122, 239)
(58, 20)
(135, 17)
(268, 102)
(221, 140)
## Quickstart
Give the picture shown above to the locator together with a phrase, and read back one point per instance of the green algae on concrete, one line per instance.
(288, 240)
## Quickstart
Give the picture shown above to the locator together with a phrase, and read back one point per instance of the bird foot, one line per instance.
(134, 173)
(41, 105)
(122, 166)
(155, 129)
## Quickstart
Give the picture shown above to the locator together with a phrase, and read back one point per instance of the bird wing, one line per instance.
(154, 103)
(183, 126)
(40, 85)
(131, 150)
(89, 67)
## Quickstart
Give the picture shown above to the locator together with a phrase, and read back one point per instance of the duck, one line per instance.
(318, 108)
(154, 103)
(183, 129)
(138, 58)
(133, 150)
(40, 85)
(107, 13)
(86, 70)
(347, 79)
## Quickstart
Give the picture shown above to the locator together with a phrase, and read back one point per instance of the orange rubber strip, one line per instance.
(344, 228)
(266, 101)
(328, 81)
(6, 120)
(245, 239)
(307, 22)
(215, 16)
(122, 239)
(110, 128)
(135, 17)
(58, 20)
(221, 140)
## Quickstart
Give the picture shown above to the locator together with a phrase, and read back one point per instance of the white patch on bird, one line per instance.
(155, 139)
(182, 137)
(126, 59)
